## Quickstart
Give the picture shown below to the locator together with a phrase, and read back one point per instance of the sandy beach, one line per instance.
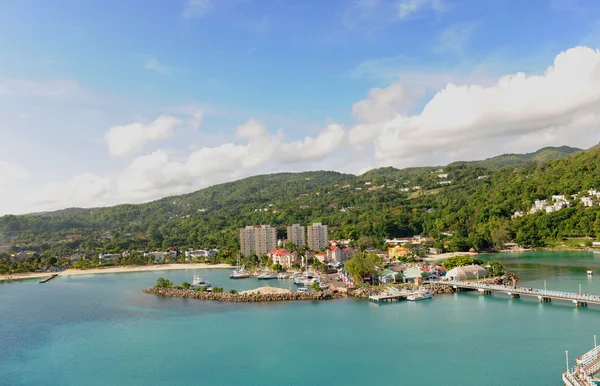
(137, 268)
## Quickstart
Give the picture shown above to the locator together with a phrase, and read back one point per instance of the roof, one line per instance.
(467, 272)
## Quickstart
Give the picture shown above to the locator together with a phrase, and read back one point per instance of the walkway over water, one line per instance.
(543, 295)
(582, 374)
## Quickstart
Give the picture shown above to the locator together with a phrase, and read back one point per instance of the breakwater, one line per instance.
(243, 297)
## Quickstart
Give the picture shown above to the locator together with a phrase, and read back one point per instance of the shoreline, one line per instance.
(124, 269)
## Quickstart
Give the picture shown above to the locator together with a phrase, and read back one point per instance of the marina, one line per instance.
(587, 365)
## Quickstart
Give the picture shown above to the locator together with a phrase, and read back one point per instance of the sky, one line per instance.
(104, 102)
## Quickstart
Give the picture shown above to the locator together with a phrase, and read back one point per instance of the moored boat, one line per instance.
(200, 282)
(420, 295)
(240, 273)
(267, 276)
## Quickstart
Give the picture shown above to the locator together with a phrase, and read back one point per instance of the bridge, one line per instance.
(544, 296)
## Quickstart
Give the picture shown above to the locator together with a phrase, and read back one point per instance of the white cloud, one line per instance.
(128, 139)
(86, 189)
(195, 9)
(10, 173)
(412, 8)
(325, 144)
(155, 65)
(49, 88)
(561, 103)
(385, 103)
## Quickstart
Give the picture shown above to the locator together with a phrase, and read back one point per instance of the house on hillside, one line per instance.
(109, 257)
(159, 256)
(334, 254)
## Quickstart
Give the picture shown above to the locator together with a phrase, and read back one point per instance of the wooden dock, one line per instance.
(48, 278)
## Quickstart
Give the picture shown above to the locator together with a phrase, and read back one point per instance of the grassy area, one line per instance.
(570, 243)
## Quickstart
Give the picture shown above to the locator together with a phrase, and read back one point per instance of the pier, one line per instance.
(587, 366)
(389, 296)
(543, 295)
(48, 278)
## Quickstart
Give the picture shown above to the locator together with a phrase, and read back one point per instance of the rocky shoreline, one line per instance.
(243, 297)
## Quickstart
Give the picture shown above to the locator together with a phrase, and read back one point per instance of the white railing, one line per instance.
(520, 290)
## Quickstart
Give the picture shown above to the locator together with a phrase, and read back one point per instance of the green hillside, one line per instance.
(543, 155)
(476, 208)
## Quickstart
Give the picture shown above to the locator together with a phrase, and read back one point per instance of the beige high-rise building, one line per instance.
(257, 240)
(297, 235)
(317, 236)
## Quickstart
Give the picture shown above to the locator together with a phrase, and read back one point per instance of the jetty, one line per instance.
(48, 278)
(390, 295)
(587, 366)
(543, 295)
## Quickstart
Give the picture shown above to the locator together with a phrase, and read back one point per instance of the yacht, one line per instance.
(200, 282)
(240, 273)
(420, 295)
(267, 276)
(283, 276)
(303, 289)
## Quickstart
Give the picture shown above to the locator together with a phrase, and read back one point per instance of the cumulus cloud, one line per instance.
(326, 143)
(10, 173)
(128, 139)
(411, 8)
(86, 189)
(561, 102)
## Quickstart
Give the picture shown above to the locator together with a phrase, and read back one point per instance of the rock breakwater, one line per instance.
(243, 297)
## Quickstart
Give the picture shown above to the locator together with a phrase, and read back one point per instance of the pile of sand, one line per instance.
(268, 290)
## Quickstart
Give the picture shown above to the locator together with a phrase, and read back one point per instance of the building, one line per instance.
(322, 257)
(159, 256)
(283, 257)
(200, 254)
(108, 257)
(335, 254)
(588, 201)
(397, 251)
(317, 236)
(257, 240)
(297, 235)
(467, 272)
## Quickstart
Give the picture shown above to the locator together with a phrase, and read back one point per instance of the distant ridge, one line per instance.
(543, 155)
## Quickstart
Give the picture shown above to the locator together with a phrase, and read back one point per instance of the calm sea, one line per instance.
(102, 330)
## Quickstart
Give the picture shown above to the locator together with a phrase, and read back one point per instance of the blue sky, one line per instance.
(276, 85)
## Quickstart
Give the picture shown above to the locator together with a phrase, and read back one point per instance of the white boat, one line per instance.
(282, 276)
(240, 273)
(420, 295)
(590, 272)
(200, 282)
(303, 289)
(267, 276)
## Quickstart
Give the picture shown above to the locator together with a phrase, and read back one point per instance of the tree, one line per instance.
(315, 286)
(277, 267)
(363, 265)
(185, 285)
(163, 283)
(217, 289)
(495, 268)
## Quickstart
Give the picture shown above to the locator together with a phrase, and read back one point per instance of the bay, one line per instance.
(102, 330)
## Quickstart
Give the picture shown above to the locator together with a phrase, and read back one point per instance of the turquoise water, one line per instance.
(102, 330)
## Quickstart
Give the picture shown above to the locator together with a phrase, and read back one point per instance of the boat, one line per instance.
(420, 295)
(267, 276)
(200, 282)
(240, 273)
(590, 272)
(282, 276)
(303, 289)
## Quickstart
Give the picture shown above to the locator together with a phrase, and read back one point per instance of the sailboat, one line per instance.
(241, 272)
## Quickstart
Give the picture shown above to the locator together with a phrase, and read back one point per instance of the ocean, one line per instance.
(102, 330)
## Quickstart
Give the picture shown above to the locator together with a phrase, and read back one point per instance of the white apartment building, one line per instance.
(317, 236)
(257, 240)
(297, 235)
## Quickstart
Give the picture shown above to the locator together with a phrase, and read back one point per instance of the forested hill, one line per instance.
(473, 202)
(543, 155)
